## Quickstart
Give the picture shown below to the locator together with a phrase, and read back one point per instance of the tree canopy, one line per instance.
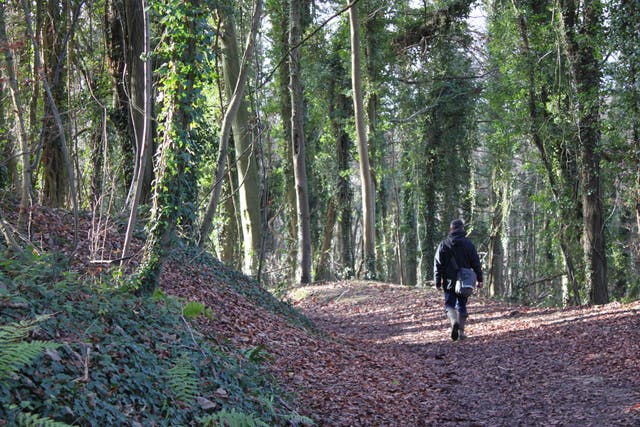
(320, 140)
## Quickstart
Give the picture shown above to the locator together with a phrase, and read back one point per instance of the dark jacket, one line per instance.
(456, 244)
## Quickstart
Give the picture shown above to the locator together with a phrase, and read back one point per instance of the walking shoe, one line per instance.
(454, 331)
(461, 320)
(455, 326)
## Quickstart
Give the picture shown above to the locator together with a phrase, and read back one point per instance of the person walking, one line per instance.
(460, 248)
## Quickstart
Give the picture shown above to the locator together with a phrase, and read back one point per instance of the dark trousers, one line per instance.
(455, 301)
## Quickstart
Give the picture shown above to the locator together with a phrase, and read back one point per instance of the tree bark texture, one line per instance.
(298, 146)
(116, 36)
(140, 92)
(323, 269)
(368, 201)
(144, 142)
(56, 180)
(582, 29)
(248, 184)
(559, 188)
(227, 121)
(23, 142)
(280, 18)
(408, 230)
(495, 256)
(340, 109)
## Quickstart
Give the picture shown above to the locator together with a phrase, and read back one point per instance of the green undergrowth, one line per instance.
(104, 357)
(215, 271)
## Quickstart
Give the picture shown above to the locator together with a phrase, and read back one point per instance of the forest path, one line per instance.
(394, 363)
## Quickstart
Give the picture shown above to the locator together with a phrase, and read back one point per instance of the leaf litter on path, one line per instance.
(381, 355)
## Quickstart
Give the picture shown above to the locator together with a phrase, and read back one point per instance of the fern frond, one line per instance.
(183, 380)
(14, 351)
(26, 419)
(232, 418)
(19, 331)
(14, 356)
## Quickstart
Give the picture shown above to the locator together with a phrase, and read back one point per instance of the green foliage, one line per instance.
(231, 419)
(183, 380)
(15, 354)
(257, 354)
(126, 359)
(14, 351)
(26, 419)
(194, 309)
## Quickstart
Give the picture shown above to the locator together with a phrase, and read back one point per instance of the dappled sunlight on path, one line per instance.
(519, 366)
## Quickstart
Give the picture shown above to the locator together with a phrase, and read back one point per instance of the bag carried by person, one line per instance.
(466, 280)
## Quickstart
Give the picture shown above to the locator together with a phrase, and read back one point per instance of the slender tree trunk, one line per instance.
(144, 143)
(225, 133)
(25, 186)
(11, 178)
(230, 233)
(635, 135)
(384, 228)
(247, 167)
(409, 243)
(495, 256)
(280, 18)
(368, 201)
(345, 197)
(323, 270)
(536, 121)
(64, 152)
(97, 161)
(340, 109)
(174, 186)
(56, 181)
(430, 234)
(298, 146)
(581, 48)
(140, 93)
(115, 40)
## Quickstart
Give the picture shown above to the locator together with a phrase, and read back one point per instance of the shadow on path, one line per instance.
(519, 366)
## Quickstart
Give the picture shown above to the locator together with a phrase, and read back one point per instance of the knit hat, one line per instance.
(456, 225)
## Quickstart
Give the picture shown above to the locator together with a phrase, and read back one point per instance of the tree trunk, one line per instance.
(340, 109)
(119, 113)
(144, 143)
(298, 146)
(495, 256)
(225, 133)
(581, 49)
(25, 186)
(368, 202)
(174, 186)
(386, 264)
(409, 271)
(56, 181)
(53, 109)
(229, 237)
(536, 123)
(345, 196)
(429, 235)
(9, 176)
(247, 167)
(280, 19)
(140, 94)
(323, 270)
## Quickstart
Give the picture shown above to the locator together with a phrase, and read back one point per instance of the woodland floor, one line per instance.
(394, 364)
(381, 354)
